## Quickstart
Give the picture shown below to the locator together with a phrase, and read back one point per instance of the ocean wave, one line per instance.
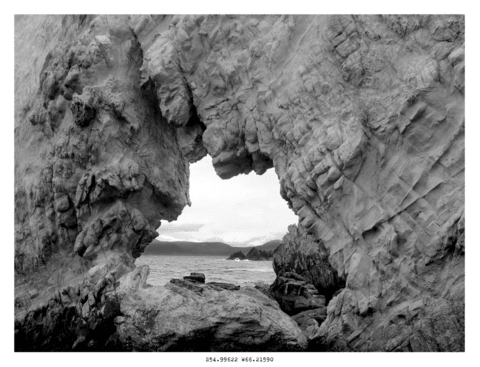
(252, 270)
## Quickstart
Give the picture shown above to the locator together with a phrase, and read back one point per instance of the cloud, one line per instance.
(259, 240)
(180, 227)
(167, 238)
(241, 211)
(214, 239)
(181, 236)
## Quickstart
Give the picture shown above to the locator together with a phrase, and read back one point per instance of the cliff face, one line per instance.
(362, 118)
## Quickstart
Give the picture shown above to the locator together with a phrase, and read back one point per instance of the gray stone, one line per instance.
(361, 116)
(175, 318)
(195, 277)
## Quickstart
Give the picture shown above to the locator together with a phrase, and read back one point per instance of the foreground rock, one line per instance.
(295, 295)
(305, 258)
(264, 288)
(178, 317)
(305, 280)
(227, 286)
(309, 321)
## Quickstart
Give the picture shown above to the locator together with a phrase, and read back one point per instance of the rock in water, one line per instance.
(259, 255)
(237, 255)
(195, 277)
(254, 255)
(361, 116)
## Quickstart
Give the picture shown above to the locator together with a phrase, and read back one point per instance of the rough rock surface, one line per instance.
(227, 286)
(295, 295)
(264, 288)
(304, 257)
(177, 318)
(310, 320)
(362, 118)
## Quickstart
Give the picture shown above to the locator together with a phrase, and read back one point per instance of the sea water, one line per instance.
(216, 269)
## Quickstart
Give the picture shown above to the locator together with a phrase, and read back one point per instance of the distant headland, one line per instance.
(255, 254)
(185, 248)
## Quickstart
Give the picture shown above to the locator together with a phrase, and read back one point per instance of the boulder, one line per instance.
(189, 285)
(176, 318)
(227, 286)
(264, 288)
(195, 277)
(317, 314)
(295, 296)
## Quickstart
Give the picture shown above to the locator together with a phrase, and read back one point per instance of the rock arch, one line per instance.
(362, 118)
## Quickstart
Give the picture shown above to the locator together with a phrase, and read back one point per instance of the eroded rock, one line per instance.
(296, 295)
(237, 255)
(304, 258)
(179, 317)
(361, 116)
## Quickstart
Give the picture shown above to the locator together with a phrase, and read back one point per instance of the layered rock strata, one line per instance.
(362, 118)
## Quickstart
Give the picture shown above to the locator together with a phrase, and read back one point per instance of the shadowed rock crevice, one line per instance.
(304, 257)
(63, 328)
(305, 280)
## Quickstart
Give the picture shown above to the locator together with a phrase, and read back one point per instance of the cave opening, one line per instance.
(226, 216)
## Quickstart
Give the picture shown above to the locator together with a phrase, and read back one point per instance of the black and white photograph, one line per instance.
(236, 184)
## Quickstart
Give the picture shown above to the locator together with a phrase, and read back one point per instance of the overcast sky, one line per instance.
(242, 211)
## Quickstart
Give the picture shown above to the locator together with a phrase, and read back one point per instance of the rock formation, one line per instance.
(295, 295)
(227, 286)
(362, 118)
(309, 321)
(195, 277)
(254, 254)
(179, 317)
(237, 255)
(259, 255)
(304, 258)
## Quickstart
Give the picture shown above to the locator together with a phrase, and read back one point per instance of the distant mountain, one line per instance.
(164, 248)
(267, 246)
(254, 254)
(270, 245)
(203, 248)
(188, 248)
